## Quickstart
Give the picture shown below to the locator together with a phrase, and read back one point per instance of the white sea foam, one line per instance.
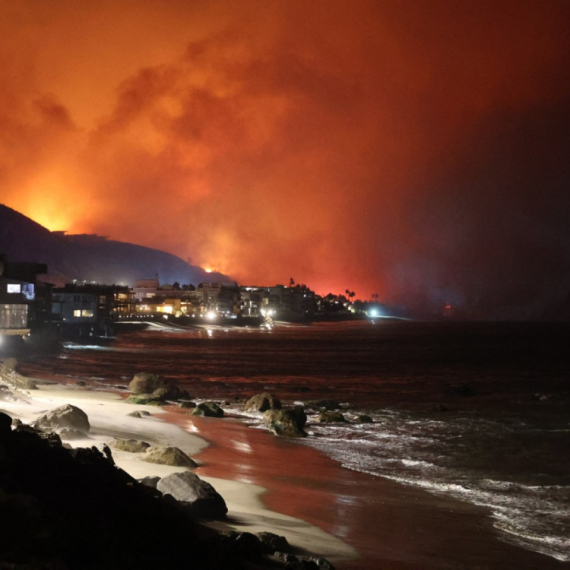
(536, 517)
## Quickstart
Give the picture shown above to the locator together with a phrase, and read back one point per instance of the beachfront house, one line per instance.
(18, 296)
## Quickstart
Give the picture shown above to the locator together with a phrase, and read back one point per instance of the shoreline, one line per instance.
(392, 526)
(357, 521)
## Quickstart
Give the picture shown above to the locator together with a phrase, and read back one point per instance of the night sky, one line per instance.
(415, 149)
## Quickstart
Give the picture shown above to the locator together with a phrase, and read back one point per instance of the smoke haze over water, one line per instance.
(418, 151)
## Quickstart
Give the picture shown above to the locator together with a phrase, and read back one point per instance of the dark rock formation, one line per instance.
(75, 510)
(202, 500)
(262, 402)
(208, 409)
(71, 509)
(286, 422)
(364, 419)
(271, 543)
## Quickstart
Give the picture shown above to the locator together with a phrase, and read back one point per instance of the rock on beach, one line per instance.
(209, 410)
(145, 383)
(201, 498)
(263, 402)
(166, 455)
(65, 417)
(286, 422)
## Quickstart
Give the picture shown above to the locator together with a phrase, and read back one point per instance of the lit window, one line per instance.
(77, 313)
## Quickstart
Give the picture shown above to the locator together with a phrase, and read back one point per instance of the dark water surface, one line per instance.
(479, 412)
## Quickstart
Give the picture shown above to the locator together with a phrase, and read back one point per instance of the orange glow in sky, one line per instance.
(324, 141)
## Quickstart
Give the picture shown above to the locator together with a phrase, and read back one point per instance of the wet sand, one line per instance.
(392, 526)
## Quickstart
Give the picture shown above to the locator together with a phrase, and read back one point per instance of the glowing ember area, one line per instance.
(404, 150)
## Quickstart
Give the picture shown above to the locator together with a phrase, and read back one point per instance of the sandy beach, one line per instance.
(109, 419)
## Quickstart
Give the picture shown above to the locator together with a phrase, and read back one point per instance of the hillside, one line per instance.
(91, 258)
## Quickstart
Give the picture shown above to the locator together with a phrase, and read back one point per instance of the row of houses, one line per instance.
(213, 300)
(26, 302)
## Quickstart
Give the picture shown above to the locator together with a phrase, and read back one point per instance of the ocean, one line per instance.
(479, 412)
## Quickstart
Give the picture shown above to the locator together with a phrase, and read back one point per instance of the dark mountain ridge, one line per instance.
(87, 257)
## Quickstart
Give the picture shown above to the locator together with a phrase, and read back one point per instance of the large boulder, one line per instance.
(286, 422)
(202, 500)
(262, 402)
(208, 409)
(145, 383)
(65, 417)
(165, 455)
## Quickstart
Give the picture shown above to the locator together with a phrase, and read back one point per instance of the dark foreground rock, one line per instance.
(73, 509)
(70, 509)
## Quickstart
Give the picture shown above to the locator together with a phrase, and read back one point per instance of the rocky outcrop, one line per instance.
(286, 422)
(208, 409)
(74, 508)
(65, 417)
(165, 455)
(232, 545)
(67, 509)
(201, 499)
(130, 445)
(262, 402)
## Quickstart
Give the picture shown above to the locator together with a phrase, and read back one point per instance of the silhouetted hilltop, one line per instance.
(90, 257)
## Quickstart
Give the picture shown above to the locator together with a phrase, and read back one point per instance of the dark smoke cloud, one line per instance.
(413, 151)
